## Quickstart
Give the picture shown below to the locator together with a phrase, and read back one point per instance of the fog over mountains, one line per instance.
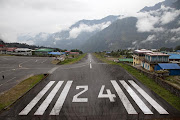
(72, 38)
(152, 27)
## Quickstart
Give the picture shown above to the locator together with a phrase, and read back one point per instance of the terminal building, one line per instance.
(23, 51)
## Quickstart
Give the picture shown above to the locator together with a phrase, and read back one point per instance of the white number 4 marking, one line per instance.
(108, 95)
(76, 99)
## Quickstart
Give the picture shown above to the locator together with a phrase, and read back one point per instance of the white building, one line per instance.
(23, 51)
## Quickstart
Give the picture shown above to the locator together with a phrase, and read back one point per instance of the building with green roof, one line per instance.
(42, 51)
(130, 60)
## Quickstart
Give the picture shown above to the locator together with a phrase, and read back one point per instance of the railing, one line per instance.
(163, 61)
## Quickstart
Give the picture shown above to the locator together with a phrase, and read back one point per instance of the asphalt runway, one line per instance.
(18, 68)
(90, 90)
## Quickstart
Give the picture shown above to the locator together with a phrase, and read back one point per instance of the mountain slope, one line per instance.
(110, 18)
(169, 3)
(154, 29)
(119, 34)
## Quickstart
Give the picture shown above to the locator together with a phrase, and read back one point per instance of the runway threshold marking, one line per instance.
(135, 97)
(28, 108)
(148, 98)
(128, 106)
(59, 103)
(48, 99)
(61, 99)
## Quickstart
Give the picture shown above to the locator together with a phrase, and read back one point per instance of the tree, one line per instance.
(76, 50)
(166, 49)
(177, 48)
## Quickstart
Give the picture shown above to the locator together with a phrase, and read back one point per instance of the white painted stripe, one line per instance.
(43, 61)
(57, 107)
(148, 98)
(52, 70)
(90, 66)
(47, 101)
(5, 71)
(5, 58)
(28, 108)
(7, 81)
(134, 96)
(128, 106)
(20, 65)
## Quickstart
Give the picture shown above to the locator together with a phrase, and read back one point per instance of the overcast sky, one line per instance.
(33, 16)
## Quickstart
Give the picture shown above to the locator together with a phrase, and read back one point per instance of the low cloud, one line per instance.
(6, 38)
(57, 39)
(86, 28)
(175, 39)
(150, 38)
(29, 42)
(133, 43)
(176, 30)
(146, 22)
(169, 14)
(150, 21)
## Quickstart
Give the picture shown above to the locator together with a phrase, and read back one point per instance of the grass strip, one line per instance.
(150, 83)
(17, 91)
(55, 62)
(5, 55)
(72, 60)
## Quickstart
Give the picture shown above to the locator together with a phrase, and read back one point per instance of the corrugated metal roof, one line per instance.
(56, 53)
(22, 49)
(169, 66)
(174, 56)
(156, 54)
(142, 51)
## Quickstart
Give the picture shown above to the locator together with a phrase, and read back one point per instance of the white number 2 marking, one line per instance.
(108, 95)
(76, 99)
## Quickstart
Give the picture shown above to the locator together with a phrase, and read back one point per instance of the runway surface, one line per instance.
(18, 68)
(89, 90)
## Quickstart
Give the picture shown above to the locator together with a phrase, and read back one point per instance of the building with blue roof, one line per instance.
(173, 68)
(174, 58)
(56, 53)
